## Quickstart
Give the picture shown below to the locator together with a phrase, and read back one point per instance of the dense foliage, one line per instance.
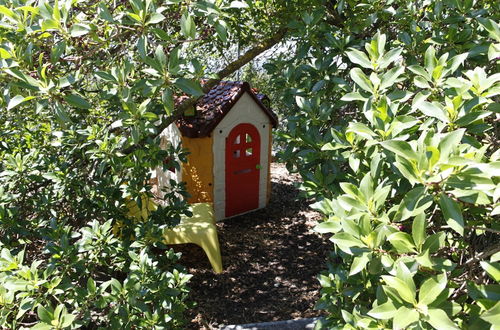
(395, 133)
(391, 117)
(87, 86)
(84, 85)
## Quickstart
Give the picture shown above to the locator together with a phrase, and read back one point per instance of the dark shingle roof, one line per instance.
(214, 105)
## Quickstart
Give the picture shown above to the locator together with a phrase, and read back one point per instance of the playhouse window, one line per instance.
(249, 152)
(236, 154)
(237, 141)
(248, 138)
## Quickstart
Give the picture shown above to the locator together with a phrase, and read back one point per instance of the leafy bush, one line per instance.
(397, 139)
(416, 231)
(87, 87)
(84, 87)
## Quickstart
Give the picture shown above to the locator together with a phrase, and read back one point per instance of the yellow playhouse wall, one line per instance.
(198, 171)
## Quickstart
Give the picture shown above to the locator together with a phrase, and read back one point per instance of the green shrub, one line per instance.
(415, 227)
(84, 85)
(397, 140)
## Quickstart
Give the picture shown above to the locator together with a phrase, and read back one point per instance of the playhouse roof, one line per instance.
(214, 105)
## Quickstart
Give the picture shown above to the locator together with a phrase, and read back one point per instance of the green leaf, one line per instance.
(492, 315)
(361, 79)
(418, 229)
(8, 12)
(188, 27)
(383, 312)
(91, 286)
(317, 86)
(366, 186)
(16, 100)
(433, 110)
(221, 29)
(404, 317)
(430, 58)
(407, 169)
(167, 98)
(348, 203)
(456, 61)
(106, 76)
(432, 154)
(44, 315)
(42, 326)
(160, 56)
(77, 101)
(390, 77)
(472, 117)
(57, 311)
(362, 130)
(238, 4)
(404, 273)
(354, 96)
(431, 288)
(330, 226)
(50, 24)
(402, 242)
(389, 57)
(359, 263)
(452, 213)
(333, 146)
(4, 54)
(358, 57)
(23, 77)
(415, 202)
(56, 13)
(434, 242)
(135, 17)
(440, 320)
(189, 86)
(490, 26)
(67, 320)
(420, 71)
(345, 241)
(351, 190)
(380, 195)
(61, 114)
(25, 305)
(401, 148)
(156, 18)
(420, 82)
(404, 291)
(494, 51)
(448, 142)
(104, 13)
(78, 30)
(493, 269)
(490, 291)
(437, 72)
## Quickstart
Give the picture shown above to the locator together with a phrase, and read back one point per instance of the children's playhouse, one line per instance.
(229, 139)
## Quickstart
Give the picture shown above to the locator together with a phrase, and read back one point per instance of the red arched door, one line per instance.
(242, 169)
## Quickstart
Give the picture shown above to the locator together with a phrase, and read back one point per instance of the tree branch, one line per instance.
(481, 256)
(228, 70)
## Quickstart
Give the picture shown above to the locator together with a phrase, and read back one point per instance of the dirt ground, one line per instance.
(270, 258)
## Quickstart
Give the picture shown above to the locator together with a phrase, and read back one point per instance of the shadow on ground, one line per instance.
(270, 259)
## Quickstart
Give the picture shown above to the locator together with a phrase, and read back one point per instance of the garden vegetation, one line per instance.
(390, 114)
